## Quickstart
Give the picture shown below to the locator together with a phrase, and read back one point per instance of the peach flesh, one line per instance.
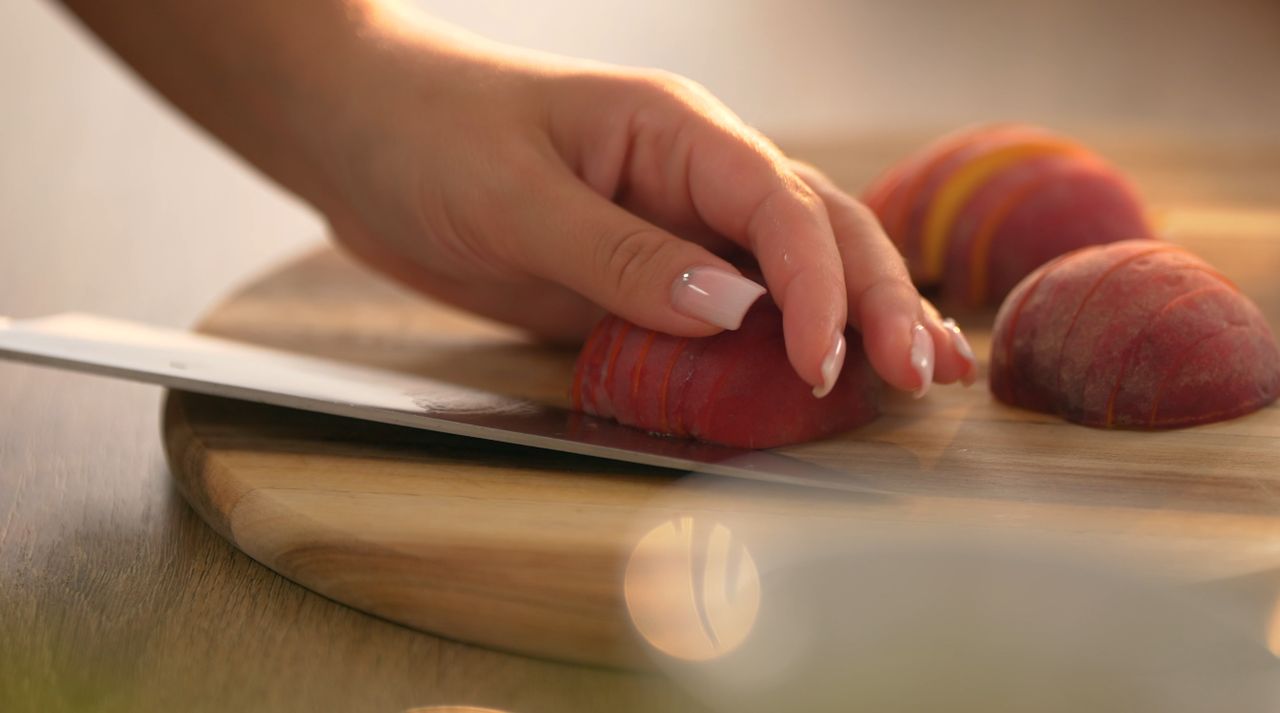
(736, 388)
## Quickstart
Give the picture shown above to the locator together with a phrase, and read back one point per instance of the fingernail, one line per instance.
(966, 351)
(831, 366)
(714, 296)
(922, 357)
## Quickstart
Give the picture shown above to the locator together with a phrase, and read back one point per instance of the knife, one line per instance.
(221, 367)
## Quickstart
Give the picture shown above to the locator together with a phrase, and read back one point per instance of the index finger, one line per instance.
(742, 188)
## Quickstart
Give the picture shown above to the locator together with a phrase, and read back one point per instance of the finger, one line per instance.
(905, 340)
(625, 264)
(955, 360)
(742, 188)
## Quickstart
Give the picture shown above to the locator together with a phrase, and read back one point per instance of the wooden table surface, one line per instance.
(114, 596)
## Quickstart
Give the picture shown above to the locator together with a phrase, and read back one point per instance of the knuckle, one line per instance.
(626, 259)
(858, 211)
(897, 287)
(673, 95)
(805, 170)
(671, 85)
(763, 145)
(816, 179)
(792, 201)
(847, 211)
(805, 194)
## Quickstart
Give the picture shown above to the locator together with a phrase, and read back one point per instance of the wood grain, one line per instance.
(523, 550)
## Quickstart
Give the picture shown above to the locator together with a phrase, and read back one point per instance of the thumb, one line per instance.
(631, 267)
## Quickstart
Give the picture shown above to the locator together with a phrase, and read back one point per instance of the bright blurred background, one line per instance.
(839, 66)
(102, 185)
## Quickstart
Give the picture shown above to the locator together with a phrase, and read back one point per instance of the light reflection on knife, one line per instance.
(220, 367)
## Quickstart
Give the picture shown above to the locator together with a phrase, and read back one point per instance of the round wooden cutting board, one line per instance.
(548, 554)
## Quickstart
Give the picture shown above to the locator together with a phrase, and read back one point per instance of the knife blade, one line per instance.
(226, 368)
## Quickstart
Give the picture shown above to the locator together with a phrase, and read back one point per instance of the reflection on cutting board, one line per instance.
(930, 618)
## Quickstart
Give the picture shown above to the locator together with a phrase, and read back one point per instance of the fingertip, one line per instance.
(964, 351)
(814, 317)
(891, 324)
(832, 365)
(923, 358)
(908, 341)
(889, 341)
(955, 360)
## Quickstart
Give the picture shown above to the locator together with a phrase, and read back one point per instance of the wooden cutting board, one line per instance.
(528, 551)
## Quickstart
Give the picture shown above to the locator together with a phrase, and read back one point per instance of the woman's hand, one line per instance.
(537, 190)
(530, 188)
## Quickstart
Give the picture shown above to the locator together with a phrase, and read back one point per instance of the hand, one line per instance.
(534, 189)
(530, 189)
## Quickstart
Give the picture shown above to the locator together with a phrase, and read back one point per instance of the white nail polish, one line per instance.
(831, 366)
(922, 357)
(714, 296)
(966, 351)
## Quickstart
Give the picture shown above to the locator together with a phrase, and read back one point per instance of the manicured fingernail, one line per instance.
(714, 296)
(922, 357)
(966, 351)
(831, 366)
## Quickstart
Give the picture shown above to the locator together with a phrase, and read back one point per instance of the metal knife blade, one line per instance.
(221, 367)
